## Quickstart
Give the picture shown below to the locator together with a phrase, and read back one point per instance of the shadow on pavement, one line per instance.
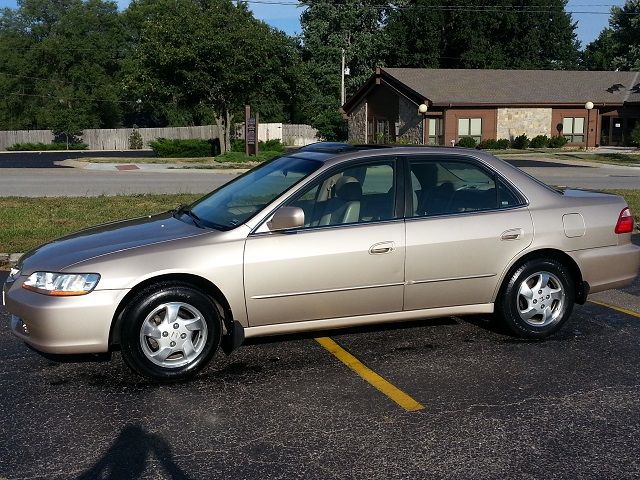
(128, 455)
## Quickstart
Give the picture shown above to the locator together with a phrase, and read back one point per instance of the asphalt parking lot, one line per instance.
(493, 407)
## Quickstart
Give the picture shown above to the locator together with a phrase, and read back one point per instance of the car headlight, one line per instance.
(61, 284)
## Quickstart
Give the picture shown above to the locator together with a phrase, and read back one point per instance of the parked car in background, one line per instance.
(329, 236)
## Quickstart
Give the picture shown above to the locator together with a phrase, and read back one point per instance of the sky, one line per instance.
(287, 17)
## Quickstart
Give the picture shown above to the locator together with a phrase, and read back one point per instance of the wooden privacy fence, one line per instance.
(118, 138)
(11, 137)
(296, 135)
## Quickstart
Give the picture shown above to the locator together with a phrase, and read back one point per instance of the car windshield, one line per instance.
(236, 202)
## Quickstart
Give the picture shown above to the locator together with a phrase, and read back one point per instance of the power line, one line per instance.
(66, 98)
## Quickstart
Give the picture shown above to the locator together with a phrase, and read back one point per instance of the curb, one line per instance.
(9, 259)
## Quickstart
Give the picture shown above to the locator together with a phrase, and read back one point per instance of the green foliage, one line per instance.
(488, 144)
(173, 148)
(237, 145)
(467, 142)
(540, 141)
(275, 145)
(427, 33)
(61, 62)
(135, 140)
(635, 134)
(327, 28)
(521, 142)
(503, 144)
(40, 147)
(240, 157)
(557, 141)
(617, 47)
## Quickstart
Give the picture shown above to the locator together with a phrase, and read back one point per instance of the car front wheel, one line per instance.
(538, 298)
(170, 332)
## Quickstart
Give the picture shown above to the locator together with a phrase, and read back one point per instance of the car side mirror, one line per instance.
(286, 218)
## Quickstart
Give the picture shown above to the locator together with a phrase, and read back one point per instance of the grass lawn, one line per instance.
(205, 162)
(610, 158)
(240, 157)
(633, 200)
(614, 158)
(26, 223)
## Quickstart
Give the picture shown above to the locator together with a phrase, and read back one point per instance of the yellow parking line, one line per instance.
(614, 307)
(390, 390)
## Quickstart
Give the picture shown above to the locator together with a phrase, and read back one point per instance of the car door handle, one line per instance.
(381, 248)
(513, 234)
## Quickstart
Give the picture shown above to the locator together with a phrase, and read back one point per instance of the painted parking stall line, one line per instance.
(616, 308)
(381, 384)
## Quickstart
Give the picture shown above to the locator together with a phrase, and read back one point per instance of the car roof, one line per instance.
(324, 151)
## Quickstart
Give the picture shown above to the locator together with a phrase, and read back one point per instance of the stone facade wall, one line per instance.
(409, 122)
(358, 124)
(513, 122)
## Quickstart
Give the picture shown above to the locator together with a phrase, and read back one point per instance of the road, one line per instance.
(77, 182)
(34, 182)
(494, 407)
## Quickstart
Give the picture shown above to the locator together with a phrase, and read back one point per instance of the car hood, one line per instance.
(105, 239)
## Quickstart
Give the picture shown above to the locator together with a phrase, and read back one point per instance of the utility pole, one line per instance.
(342, 94)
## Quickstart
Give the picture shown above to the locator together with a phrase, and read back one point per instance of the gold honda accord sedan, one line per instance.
(329, 236)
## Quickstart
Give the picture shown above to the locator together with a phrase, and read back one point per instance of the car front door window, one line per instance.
(358, 194)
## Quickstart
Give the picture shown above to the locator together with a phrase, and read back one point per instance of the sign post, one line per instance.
(250, 132)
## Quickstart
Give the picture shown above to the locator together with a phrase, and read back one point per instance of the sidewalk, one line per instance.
(152, 167)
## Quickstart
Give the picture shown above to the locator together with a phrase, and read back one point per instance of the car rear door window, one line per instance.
(444, 187)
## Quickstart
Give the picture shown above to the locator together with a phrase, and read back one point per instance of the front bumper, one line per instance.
(62, 324)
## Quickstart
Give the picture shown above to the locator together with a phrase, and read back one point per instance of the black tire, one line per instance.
(157, 304)
(550, 304)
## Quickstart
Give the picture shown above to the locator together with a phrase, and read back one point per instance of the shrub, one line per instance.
(237, 145)
(540, 141)
(503, 144)
(635, 134)
(488, 144)
(275, 145)
(521, 142)
(557, 141)
(173, 148)
(37, 147)
(467, 142)
(135, 140)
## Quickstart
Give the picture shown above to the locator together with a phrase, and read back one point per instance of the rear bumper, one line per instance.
(62, 324)
(608, 267)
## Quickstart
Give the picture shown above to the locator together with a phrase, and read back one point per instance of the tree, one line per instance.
(193, 60)
(328, 27)
(617, 47)
(472, 34)
(60, 60)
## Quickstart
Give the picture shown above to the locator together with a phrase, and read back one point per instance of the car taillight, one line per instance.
(625, 222)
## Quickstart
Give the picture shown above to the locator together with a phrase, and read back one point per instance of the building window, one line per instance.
(436, 131)
(470, 127)
(573, 129)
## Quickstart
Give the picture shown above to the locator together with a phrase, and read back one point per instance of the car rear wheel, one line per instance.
(170, 332)
(538, 298)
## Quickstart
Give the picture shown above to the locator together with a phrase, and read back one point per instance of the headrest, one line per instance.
(348, 189)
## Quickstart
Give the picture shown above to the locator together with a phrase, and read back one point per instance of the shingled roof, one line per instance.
(512, 87)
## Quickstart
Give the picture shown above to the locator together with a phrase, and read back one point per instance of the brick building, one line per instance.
(495, 104)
